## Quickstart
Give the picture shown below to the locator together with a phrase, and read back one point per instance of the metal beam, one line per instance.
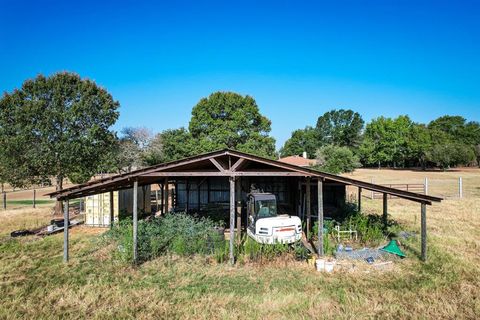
(320, 217)
(135, 221)
(66, 223)
(232, 219)
(424, 231)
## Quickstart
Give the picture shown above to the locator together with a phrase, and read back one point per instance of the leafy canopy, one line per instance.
(335, 159)
(301, 140)
(230, 120)
(336, 127)
(340, 127)
(56, 126)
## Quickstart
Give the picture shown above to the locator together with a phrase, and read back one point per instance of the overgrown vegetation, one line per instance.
(370, 228)
(178, 233)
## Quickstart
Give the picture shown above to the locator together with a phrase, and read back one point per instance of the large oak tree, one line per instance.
(56, 126)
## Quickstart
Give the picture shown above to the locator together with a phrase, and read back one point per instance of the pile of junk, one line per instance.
(376, 257)
(56, 225)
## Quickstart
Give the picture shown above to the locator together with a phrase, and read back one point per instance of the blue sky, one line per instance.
(298, 59)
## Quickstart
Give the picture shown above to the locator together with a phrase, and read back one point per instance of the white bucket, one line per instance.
(329, 266)
(320, 264)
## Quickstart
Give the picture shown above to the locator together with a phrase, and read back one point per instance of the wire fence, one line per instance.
(446, 188)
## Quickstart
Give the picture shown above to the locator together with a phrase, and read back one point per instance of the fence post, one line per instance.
(4, 201)
(34, 194)
(426, 186)
(460, 187)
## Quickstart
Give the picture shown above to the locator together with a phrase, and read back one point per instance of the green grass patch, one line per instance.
(28, 202)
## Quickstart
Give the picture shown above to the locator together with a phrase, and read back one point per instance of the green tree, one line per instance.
(386, 141)
(451, 154)
(177, 144)
(340, 127)
(300, 141)
(419, 143)
(335, 159)
(229, 120)
(57, 127)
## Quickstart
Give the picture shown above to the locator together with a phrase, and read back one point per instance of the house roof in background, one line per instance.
(298, 161)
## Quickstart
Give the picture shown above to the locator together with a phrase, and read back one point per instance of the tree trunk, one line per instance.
(58, 187)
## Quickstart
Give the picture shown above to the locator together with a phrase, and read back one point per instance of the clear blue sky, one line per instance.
(298, 59)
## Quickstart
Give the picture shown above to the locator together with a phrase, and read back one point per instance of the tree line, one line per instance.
(391, 142)
(60, 126)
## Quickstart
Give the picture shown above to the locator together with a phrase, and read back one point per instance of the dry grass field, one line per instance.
(34, 283)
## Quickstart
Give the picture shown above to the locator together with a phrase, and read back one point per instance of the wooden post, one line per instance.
(66, 223)
(34, 197)
(309, 207)
(162, 205)
(359, 199)
(299, 197)
(385, 213)
(135, 221)
(238, 199)
(425, 186)
(460, 187)
(320, 217)
(112, 207)
(156, 201)
(424, 231)
(4, 201)
(165, 194)
(232, 219)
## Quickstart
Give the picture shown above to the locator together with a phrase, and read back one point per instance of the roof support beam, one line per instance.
(237, 164)
(225, 174)
(217, 164)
